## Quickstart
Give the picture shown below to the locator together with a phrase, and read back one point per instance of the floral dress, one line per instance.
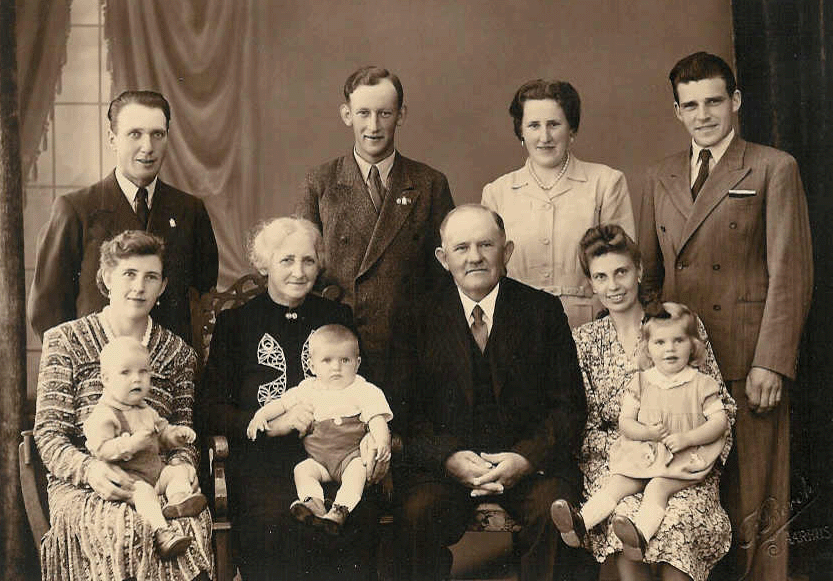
(695, 532)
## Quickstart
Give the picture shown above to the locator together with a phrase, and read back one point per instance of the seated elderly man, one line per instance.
(491, 405)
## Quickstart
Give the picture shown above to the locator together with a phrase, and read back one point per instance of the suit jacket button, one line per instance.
(715, 267)
(662, 228)
(345, 239)
(716, 307)
(733, 225)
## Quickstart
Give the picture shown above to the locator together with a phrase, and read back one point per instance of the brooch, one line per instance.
(290, 315)
(172, 222)
(403, 200)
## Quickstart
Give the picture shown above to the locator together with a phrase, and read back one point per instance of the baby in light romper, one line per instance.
(345, 407)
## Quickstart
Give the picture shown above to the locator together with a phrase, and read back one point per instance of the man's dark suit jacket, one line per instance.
(378, 266)
(69, 245)
(535, 374)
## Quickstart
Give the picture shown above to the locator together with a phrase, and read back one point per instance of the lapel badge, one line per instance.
(172, 222)
(403, 200)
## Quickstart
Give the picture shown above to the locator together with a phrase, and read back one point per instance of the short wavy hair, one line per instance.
(268, 235)
(603, 239)
(661, 313)
(561, 92)
(128, 243)
(372, 75)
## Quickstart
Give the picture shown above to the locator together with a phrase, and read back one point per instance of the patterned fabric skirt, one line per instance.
(694, 535)
(94, 539)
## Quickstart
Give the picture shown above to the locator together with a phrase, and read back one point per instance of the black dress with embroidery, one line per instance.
(257, 351)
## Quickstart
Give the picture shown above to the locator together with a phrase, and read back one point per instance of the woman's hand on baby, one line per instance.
(676, 442)
(375, 460)
(110, 482)
(657, 432)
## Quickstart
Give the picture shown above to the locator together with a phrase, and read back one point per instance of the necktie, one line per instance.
(478, 328)
(703, 174)
(377, 190)
(142, 209)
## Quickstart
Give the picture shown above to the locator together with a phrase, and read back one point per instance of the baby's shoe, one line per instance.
(189, 506)
(170, 543)
(307, 510)
(333, 521)
(569, 522)
(634, 544)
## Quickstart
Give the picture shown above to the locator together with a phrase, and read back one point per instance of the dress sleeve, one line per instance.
(55, 414)
(182, 413)
(709, 394)
(616, 205)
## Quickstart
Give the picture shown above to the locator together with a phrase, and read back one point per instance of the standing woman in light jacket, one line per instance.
(550, 202)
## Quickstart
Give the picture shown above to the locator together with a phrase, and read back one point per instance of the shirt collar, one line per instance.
(487, 303)
(656, 377)
(717, 150)
(129, 189)
(114, 403)
(384, 166)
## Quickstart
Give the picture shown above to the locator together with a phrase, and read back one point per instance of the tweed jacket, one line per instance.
(64, 286)
(535, 377)
(377, 266)
(740, 255)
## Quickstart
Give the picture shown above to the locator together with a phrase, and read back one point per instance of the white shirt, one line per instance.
(129, 189)
(717, 151)
(384, 167)
(487, 303)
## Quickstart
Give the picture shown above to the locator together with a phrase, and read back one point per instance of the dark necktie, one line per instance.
(478, 328)
(142, 209)
(377, 191)
(703, 174)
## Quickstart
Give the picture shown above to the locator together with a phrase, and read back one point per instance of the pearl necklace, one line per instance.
(558, 177)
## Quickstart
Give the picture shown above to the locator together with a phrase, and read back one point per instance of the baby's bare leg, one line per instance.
(309, 475)
(147, 504)
(602, 503)
(654, 502)
(352, 485)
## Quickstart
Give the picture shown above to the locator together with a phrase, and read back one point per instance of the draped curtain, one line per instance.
(42, 30)
(785, 74)
(202, 55)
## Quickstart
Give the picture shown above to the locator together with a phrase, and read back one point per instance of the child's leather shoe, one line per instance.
(188, 506)
(170, 543)
(307, 510)
(333, 521)
(569, 522)
(634, 544)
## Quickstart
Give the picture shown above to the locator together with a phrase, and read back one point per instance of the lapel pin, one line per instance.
(172, 222)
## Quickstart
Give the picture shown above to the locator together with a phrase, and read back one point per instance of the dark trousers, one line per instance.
(433, 514)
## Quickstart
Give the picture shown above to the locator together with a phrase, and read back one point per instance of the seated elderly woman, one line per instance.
(695, 532)
(257, 351)
(555, 197)
(95, 531)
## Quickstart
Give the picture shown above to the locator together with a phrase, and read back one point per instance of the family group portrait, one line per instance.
(416, 290)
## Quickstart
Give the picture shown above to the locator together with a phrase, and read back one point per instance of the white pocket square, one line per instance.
(739, 193)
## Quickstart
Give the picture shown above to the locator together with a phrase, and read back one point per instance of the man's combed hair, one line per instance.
(371, 75)
(700, 66)
(150, 99)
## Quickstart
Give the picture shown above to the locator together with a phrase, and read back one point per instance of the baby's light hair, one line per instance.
(332, 334)
(671, 313)
(115, 349)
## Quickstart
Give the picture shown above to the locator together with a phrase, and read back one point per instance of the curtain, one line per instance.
(202, 55)
(785, 74)
(42, 31)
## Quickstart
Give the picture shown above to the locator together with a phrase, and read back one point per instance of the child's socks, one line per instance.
(598, 508)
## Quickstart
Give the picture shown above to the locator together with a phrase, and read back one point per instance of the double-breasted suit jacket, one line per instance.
(535, 376)
(740, 256)
(64, 286)
(379, 263)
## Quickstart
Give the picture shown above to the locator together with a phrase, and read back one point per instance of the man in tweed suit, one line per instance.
(379, 213)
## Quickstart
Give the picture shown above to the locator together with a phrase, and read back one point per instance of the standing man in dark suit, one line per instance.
(725, 230)
(132, 197)
(379, 213)
(491, 404)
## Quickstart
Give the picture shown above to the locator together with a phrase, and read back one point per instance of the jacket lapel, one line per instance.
(399, 201)
(677, 183)
(453, 336)
(503, 338)
(114, 202)
(163, 212)
(353, 198)
(726, 174)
